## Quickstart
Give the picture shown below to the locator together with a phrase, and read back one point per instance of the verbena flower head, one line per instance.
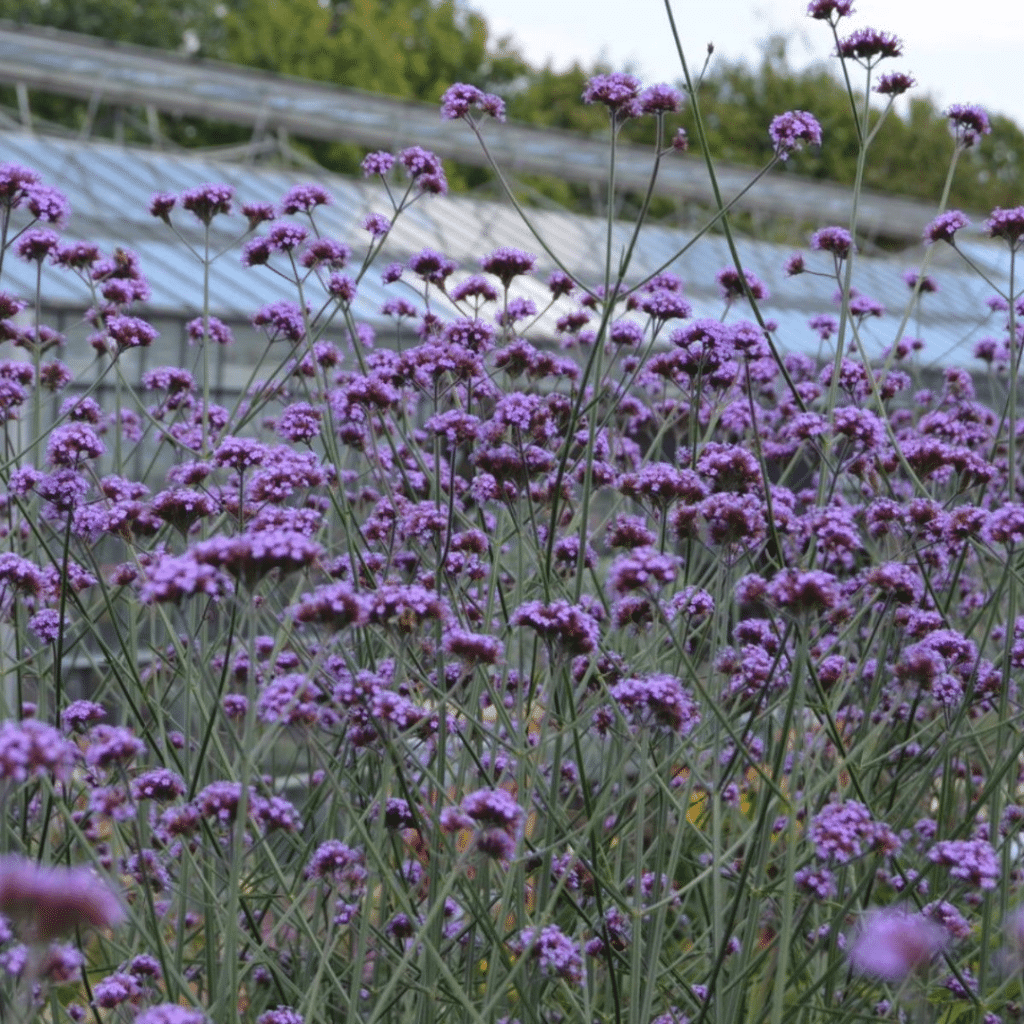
(617, 91)
(660, 99)
(895, 83)
(46, 902)
(869, 45)
(837, 241)
(969, 122)
(1007, 224)
(945, 226)
(507, 263)
(460, 98)
(305, 198)
(892, 943)
(207, 201)
(171, 1013)
(379, 162)
(829, 10)
(791, 131)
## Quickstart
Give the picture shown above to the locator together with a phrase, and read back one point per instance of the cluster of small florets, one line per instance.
(459, 99)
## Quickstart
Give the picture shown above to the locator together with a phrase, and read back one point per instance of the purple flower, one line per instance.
(30, 748)
(1007, 224)
(969, 122)
(660, 99)
(731, 285)
(945, 226)
(892, 943)
(113, 744)
(305, 198)
(560, 283)
(834, 240)
(659, 700)
(840, 831)
(282, 1015)
(36, 244)
(824, 10)
(47, 203)
(475, 648)
(161, 204)
(377, 224)
(554, 952)
(617, 91)
(970, 860)
(459, 98)
(216, 330)
(497, 816)
(45, 902)
(868, 45)
(71, 444)
(507, 263)
(206, 201)
(130, 332)
(896, 83)
(379, 162)
(425, 169)
(432, 266)
(171, 1013)
(257, 213)
(559, 622)
(283, 320)
(791, 131)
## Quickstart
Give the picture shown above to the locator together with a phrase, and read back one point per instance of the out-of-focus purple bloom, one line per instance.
(896, 83)
(30, 748)
(660, 99)
(892, 943)
(970, 860)
(161, 204)
(216, 330)
(793, 130)
(47, 204)
(555, 953)
(45, 902)
(1007, 224)
(171, 1013)
(560, 622)
(377, 224)
(834, 240)
(945, 226)
(969, 122)
(731, 285)
(36, 244)
(283, 320)
(305, 198)
(826, 10)
(658, 700)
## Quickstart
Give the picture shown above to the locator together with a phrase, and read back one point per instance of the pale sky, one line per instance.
(959, 52)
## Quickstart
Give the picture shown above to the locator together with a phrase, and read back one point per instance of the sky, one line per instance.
(959, 52)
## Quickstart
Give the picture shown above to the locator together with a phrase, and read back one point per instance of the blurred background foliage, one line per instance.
(414, 49)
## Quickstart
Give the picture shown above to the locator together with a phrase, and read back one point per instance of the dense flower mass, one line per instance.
(527, 638)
